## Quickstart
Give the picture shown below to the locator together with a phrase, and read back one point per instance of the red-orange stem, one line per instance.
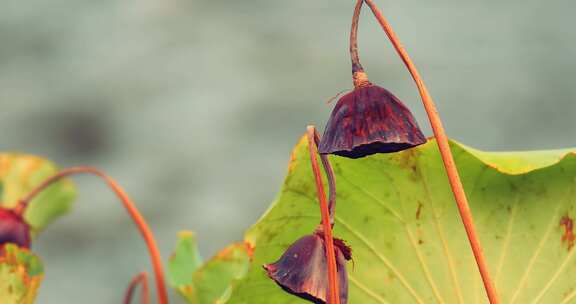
(333, 290)
(145, 231)
(444, 146)
(141, 278)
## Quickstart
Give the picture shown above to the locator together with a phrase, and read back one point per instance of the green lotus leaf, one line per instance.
(398, 214)
(19, 174)
(20, 275)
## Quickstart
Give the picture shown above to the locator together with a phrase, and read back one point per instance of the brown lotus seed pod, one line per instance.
(13, 229)
(302, 269)
(370, 120)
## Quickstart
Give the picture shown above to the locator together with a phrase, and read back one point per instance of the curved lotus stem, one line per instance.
(141, 278)
(359, 77)
(356, 66)
(145, 231)
(333, 290)
(331, 179)
(444, 146)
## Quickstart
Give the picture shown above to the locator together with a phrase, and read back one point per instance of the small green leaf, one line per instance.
(212, 282)
(20, 275)
(21, 173)
(185, 260)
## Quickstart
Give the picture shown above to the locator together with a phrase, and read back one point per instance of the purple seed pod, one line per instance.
(13, 229)
(302, 269)
(370, 120)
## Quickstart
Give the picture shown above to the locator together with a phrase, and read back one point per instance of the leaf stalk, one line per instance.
(333, 296)
(136, 216)
(447, 158)
(140, 279)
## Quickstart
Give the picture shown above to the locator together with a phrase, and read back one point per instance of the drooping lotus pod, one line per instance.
(302, 269)
(13, 229)
(370, 120)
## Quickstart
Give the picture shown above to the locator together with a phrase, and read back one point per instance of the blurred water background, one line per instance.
(194, 105)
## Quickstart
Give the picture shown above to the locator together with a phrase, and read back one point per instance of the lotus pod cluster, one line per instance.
(365, 121)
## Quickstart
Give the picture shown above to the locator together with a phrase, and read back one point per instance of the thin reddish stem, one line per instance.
(333, 290)
(140, 279)
(331, 179)
(444, 146)
(143, 227)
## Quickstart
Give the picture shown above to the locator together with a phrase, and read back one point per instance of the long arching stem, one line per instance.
(333, 296)
(140, 279)
(444, 146)
(130, 207)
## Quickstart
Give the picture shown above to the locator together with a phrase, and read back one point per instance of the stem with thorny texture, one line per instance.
(333, 296)
(130, 207)
(444, 147)
(141, 278)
